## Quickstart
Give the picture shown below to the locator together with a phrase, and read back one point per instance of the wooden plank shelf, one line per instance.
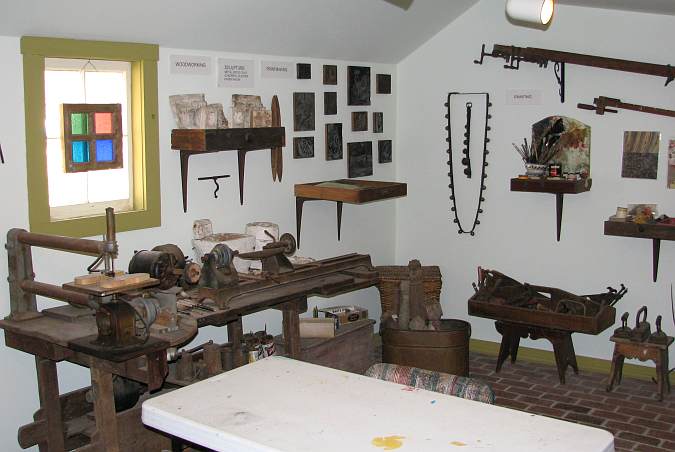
(558, 187)
(204, 141)
(656, 232)
(351, 191)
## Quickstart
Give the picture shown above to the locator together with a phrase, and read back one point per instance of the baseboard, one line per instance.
(585, 363)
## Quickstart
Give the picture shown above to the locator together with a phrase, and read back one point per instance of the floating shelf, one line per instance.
(204, 141)
(351, 191)
(558, 187)
(656, 232)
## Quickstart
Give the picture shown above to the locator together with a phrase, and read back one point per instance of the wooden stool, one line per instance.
(561, 340)
(626, 348)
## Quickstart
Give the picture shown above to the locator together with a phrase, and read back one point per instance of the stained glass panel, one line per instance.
(103, 122)
(78, 123)
(80, 151)
(104, 151)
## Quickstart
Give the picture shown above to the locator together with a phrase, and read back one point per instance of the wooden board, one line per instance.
(98, 290)
(642, 231)
(351, 190)
(551, 185)
(547, 319)
(213, 140)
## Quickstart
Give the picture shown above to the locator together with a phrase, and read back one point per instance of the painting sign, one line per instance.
(303, 112)
(276, 69)
(640, 155)
(360, 159)
(303, 147)
(358, 85)
(334, 141)
(235, 73)
(384, 151)
(671, 163)
(359, 121)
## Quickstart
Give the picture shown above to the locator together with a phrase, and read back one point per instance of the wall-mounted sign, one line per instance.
(277, 69)
(235, 73)
(190, 64)
(523, 97)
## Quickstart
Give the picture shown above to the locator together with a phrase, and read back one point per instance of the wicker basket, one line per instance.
(392, 275)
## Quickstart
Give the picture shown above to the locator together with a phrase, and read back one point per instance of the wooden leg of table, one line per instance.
(339, 218)
(235, 333)
(241, 163)
(48, 387)
(298, 217)
(184, 159)
(513, 346)
(558, 213)
(104, 410)
(661, 374)
(615, 370)
(509, 345)
(291, 326)
(656, 250)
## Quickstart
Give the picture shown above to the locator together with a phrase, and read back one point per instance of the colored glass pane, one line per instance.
(78, 123)
(104, 151)
(103, 122)
(80, 152)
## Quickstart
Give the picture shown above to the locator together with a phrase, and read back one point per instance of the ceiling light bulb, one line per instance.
(533, 11)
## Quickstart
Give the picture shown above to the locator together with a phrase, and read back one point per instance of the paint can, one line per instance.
(554, 170)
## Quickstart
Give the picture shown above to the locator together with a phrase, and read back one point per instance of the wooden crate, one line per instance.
(351, 349)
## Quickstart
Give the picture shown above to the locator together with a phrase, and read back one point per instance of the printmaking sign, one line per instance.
(276, 69)
(190, 64)
(235, 73)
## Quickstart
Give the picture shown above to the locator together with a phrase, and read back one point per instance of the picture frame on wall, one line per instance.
(360, 159)
(358, 85)
(359, 121)
(303, 112)
(303, 147)
(334, 141)
(378, 122)
(330, 103)
(304, 71)
(384, 151)
(330, 75)
(383, 84)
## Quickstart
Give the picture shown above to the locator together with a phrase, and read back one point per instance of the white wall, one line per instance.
(517, 231)
(365, 229)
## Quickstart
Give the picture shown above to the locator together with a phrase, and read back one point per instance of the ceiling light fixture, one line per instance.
(533, 11)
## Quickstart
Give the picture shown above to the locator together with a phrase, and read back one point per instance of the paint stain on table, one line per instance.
(457, 443)
(388, 442)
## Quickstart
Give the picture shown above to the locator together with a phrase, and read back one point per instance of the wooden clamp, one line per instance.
(602, 103)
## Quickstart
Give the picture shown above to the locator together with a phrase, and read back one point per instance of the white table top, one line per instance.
(279, 404)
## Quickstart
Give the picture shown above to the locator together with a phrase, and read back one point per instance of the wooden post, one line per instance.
(291, 327)
(48, 387)
(235, 332)
(104, 410)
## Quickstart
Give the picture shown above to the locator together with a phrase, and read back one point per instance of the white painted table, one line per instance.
(279, 404)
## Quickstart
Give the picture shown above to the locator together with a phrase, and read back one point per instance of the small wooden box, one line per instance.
(345, 314)
(351, 349)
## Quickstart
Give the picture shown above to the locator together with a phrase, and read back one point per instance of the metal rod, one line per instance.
(55, 292)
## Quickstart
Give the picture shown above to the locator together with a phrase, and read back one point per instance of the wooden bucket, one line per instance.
(446, 350)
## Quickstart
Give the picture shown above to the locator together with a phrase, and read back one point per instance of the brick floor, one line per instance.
(631, 412)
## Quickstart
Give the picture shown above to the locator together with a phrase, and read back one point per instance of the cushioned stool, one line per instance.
(466, 388)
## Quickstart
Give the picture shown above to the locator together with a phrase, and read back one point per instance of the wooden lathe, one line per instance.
(129, 335)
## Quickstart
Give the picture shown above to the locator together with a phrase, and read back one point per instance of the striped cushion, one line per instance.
(467, 388)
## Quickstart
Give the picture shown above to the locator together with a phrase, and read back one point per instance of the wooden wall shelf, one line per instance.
(558, 187)
(656, 232)
(351, 191)
(204, 141)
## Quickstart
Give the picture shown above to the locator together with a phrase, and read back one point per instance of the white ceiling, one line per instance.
(644, 6)
(358, 30)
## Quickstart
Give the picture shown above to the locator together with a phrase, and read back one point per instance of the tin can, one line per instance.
(554, 170)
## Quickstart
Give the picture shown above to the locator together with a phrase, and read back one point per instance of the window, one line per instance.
(91, 135)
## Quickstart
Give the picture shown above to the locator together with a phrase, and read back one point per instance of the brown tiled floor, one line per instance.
(631, 412)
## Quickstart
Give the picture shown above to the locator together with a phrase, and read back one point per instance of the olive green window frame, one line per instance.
(146, 212)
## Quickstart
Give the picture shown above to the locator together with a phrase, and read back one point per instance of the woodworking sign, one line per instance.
(235, 73)
(190, 64)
